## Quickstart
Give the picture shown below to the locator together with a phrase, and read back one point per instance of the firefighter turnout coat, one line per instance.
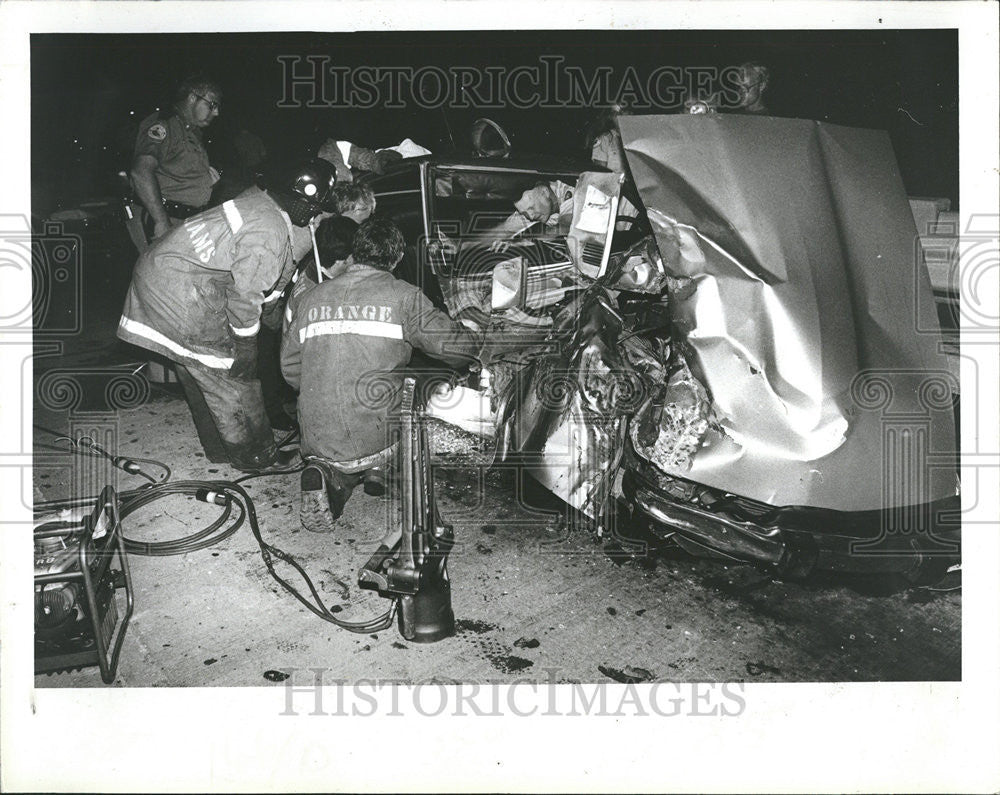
(205, 281)
(346, 348)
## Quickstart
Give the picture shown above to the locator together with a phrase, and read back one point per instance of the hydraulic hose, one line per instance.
(221, 492)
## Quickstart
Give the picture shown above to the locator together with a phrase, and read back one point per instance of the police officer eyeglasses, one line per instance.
(212, 105)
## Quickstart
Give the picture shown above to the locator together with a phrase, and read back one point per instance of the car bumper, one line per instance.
(834, 542)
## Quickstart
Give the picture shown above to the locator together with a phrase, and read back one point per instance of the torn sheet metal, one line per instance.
(570, 411)
(671, 424)
(796, 293)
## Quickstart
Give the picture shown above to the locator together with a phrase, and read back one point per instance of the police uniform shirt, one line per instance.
(608, 151)
(182, 163)
(562, 217)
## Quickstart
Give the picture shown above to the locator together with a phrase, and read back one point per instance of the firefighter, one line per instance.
(170, 171)
(355, 204)
(346, 348)
(196, 298)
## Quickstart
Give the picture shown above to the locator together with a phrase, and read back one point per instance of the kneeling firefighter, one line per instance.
(196, 298)
(346, 349)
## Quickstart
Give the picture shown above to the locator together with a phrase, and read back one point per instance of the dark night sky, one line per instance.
(83, 87)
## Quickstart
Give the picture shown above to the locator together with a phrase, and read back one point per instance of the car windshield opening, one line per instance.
(480, 205)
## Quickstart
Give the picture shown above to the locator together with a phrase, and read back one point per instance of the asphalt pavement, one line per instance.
(535, 594)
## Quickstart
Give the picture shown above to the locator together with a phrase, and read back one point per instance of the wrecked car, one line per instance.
(734, 343)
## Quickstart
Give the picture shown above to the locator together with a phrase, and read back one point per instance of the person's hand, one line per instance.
(244, 367)
(160, 228)
(503, 244)
(330, 152)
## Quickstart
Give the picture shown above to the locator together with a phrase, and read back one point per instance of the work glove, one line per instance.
(272, 313)
(244, 359)
(160, 228)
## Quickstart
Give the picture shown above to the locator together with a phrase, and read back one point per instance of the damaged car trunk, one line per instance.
(725, 341)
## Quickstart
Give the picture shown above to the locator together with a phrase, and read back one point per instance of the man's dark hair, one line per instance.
(352, 196)
(378, 243)
(335, 238)
(198, 82)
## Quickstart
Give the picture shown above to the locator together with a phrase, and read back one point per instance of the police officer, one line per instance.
(170, 172)
(196, 298)
(345, 350)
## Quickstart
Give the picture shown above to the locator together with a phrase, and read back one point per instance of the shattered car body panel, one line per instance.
(796, 294)
(740, 362)
(567, 411)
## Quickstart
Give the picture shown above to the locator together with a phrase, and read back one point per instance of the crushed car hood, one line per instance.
(795, 289)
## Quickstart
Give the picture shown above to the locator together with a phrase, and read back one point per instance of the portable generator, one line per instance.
(80, 564)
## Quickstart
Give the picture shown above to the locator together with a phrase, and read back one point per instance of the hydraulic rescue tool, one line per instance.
(414, 570)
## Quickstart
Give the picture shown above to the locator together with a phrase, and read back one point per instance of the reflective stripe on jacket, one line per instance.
(203, 283)
(346, 348)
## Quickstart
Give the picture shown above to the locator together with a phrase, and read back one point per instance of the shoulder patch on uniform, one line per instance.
(157, 132)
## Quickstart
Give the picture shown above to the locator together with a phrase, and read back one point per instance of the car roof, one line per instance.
(532, 163)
